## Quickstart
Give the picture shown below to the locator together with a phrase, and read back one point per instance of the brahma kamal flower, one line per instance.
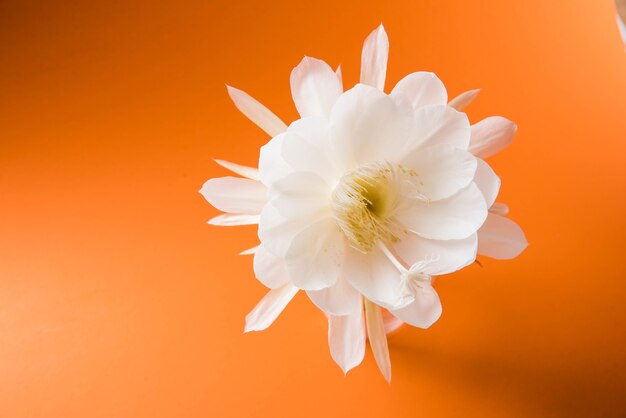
(360, 202)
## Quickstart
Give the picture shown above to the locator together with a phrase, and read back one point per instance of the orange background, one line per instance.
(117, 300)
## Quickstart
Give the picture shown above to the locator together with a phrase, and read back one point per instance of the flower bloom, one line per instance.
(365, 198)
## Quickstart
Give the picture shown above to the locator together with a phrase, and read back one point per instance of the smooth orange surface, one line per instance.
(117, 300)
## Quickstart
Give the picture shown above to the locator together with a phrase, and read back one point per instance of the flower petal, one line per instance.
(301, 194)
(456, 217)
(269, 269)
(437, 125)
(425, 309)
(272, 166)
(499, 208)
(422, 88)
(346, 339)
(378, 338)
(374, 58)
(268, 309)
(501, 238)
(463, 100)
(491, 135)
(250, 251)
(315, 256)
(235, 195)
(242, 170)
(440, 171)
(234, 219)
(314, 87)
(338, 299)
(487, 181)
(256, 112)
(445, 256)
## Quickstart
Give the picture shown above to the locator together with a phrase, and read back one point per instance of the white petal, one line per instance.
(315, 256)
(378, 338)
(250, 251)
(374, 58)
(272, 166)
(339, 299)
(268, 309)
(491, 135)
(437, 125)
(367, 125)
(440, 171)
(463, 100)
(422, 88)
(457, 217)
(256, 112)
(339, 75)
(242, 170)
(314, 87)
(376, 278)
(235, 195)
(446, 256)
(301, 194)
(499, 209)
(425, 309)
(391, 322)
(234, 219)
(487, 181)
(501, 238)
(346, 339)
(269, 269)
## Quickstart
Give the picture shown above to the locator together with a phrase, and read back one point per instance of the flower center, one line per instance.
(363, 203)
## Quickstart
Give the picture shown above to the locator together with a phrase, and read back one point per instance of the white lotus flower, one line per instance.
(361, 201)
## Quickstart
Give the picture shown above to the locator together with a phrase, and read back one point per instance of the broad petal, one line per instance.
(422, 88)
(487, 181)
(256, 112)
(235, 195)
(374, 58)
(301, 194)
(338, 299)
(501, 238)
(268, 309)
(441, 171)
(272, 166)
(425, 309)
(491, 135)
(346, 339)
(314, 87)
(270, 269)
(443, 256)
(463, 100)
(438, 125)
(378, 338)
(244, 171)
(456, 217)
(234, 219)
(315, 256)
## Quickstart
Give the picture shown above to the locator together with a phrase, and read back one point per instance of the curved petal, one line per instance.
(234, 219)
(378, 338)
(440, 171)
(437, 125)
(268, 309)
(440, 257)
(242, 170)
(425, 309)
(314, 87)
(315, 257)
(463, 100)
(367, 125)
(501, 238)
(235, 195)
(256, 112)
(487, 181)
(272, 166)
(269, 269)
(456, 217)
(346, 339)
(491, 135)
(374, 58)
(338, 299)
(422, 88)
(301, 194)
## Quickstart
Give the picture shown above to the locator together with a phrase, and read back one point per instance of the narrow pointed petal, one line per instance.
(234, 219)
(235, 195)
(256, 112)
(378, 338)
(314, 87)
(250, 251)
(491, 135)
(501, 238)
(487, 181)
(425, 309)
(391, 322)
(339, 74)
(499, 208)
(422, 88)
(244, 171)
(346, 339)
(268, 309)
(374, 58)
(463, 100)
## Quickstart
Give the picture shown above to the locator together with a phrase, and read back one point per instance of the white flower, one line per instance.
(362, 200)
